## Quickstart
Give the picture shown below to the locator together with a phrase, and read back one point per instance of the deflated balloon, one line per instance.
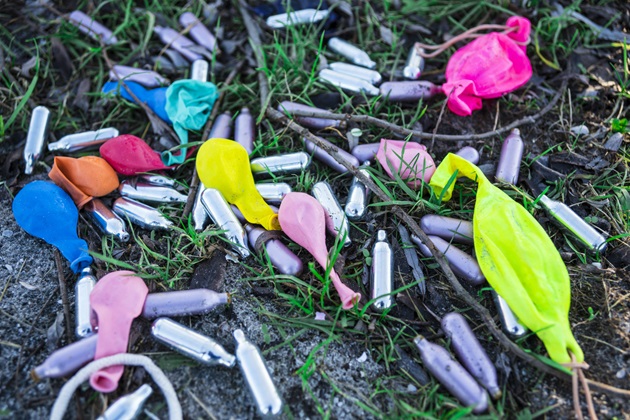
(46, 211)
(117, 299)
(488, 67)
(130, 155)
(224, 165)
(153, 98)
(409, 160)
(303, 220)
(518, 259)
(188, 105)
(84, 178)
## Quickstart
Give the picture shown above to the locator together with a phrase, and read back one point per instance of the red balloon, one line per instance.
(130, 155)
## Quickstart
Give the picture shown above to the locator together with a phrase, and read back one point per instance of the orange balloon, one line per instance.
(84, 178)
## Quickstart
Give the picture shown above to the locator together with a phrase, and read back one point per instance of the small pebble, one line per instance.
(362, 358)
(411, 389)
(579, 130)
(7, 233)
(614, 142)
(621, 374)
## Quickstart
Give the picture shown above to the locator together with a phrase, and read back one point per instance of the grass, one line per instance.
(292, 60)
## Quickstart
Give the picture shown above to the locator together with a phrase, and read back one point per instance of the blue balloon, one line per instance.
(46, 211)
(153, 98)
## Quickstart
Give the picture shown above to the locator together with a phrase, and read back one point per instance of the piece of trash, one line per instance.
(128, 407)
(273, 193)
(382, 273)
(83, 316)
(415, 64)
(82, 141)
(297, 17)
(448, 228)
(177, 41)
(222, 127)
(325, 157)
(147, 78)
(244, 130)
(614, 142)
(106, 220)
(199, 70)
(117, 299)
(408, 91)
(287, 107)
(347, 82)
(36, 137)
(224, 165)
(188, 105)
(66, 360)
(140, 214)
(365, 152)
(190, 343)
(354, 54)
(363, 358)
(452, 375)
(469, 153)
(336, 220)
(568, 220)
(320, 316)
(92, 28)
(142, 191)
(200, 217)
(84, 178)
(256, 373)
(46, 211)
(291, 163)
(488, 67)
(408, 160)
(538, 292)
(154, 98)
(183, 303)
(470, 352)
(303, 220)
(279, 254)
(462, 264)
(130, 155)
(224, 218)
(198, 31)
(371, 76)
(358, 197)
(511, 326)
(510, 158)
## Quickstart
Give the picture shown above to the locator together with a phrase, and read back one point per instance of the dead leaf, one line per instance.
(387, 35)
(26, 67)
(28, 285)
(55, 331)
(61, 59)
(80, 100)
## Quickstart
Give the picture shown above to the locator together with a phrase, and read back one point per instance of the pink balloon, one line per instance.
(303, 220)
(117, 299)
(488, 67)
(130, 155)
(409, 160)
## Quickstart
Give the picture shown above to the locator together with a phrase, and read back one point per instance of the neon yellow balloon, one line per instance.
(518, 259)
(224, 165)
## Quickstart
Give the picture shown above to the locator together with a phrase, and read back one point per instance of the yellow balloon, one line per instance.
(224, 165)
(518, 259)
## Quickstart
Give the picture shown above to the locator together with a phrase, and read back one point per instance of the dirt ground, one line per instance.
(350, 377)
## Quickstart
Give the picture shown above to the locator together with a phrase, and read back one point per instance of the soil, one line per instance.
(30, 298)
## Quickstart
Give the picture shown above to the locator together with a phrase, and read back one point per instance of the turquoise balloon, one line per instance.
(46, 211)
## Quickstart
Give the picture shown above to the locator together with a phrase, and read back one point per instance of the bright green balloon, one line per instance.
(518, 259)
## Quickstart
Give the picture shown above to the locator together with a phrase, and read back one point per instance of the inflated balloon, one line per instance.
(130, 155)
(304, 221)
(518, 259)
(224, 165)
(188, 105)
(409, 160)
(488, 67)
(117, 299)
(46, 211)
(153, 98)
(84, 178)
